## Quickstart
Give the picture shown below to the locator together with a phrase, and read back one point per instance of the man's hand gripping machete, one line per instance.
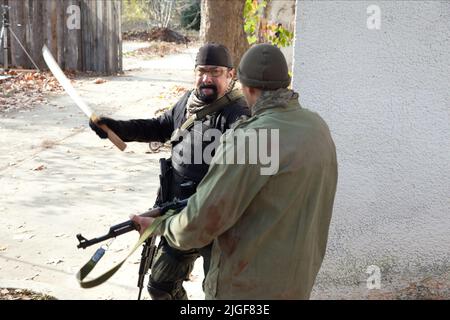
(65, 83)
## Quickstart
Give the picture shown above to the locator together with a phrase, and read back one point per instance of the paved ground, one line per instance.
(58, 179)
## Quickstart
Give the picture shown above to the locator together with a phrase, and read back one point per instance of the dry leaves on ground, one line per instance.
(156, 49)
(22, 294)
(24, 89)
(40, 168)
(156, 34)
(99, 81)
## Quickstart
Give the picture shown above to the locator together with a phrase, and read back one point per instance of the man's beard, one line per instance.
(207, 98)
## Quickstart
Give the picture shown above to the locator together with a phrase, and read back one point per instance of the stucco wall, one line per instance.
(386, 97)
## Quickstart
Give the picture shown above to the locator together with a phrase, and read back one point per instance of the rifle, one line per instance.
(148, 252)
(149, 247)
(128, 226)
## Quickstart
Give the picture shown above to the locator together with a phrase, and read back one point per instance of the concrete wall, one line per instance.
(386, 96)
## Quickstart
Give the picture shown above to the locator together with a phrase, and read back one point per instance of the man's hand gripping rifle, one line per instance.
(149, 247)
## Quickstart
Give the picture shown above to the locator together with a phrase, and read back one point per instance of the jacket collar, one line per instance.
(280, 98)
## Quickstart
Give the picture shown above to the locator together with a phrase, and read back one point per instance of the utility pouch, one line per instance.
(165, 182)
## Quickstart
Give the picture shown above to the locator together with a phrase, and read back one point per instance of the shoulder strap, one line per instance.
(216, 106)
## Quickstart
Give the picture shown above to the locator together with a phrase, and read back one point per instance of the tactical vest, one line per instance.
(188, 151)
(189, 166)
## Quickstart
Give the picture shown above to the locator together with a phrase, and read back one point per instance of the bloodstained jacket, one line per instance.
(270, 230)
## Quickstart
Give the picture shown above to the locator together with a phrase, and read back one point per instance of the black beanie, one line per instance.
(264, 66)
(214, 54)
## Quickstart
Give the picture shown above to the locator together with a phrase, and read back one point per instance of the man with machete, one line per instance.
(213, 106)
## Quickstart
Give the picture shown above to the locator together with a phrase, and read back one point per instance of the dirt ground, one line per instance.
(59, 179)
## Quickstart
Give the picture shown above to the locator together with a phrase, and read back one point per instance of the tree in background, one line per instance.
(159, 11)
(133, 16)
(234, 23)
(222, 21)
(238, 24)
(259, 30)
(145, 14)
(190, 16)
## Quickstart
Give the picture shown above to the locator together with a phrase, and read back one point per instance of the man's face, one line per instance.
(212, 82)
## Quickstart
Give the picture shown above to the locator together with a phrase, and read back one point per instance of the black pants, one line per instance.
(171, 267)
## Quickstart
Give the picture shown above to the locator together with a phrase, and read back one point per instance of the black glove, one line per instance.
(110, 123)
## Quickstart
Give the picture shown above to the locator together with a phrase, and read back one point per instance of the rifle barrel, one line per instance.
(128, 226)
(114, 231)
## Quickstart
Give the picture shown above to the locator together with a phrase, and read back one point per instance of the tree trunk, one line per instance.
(222, 21)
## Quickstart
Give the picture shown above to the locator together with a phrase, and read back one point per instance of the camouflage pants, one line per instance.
(171, 267)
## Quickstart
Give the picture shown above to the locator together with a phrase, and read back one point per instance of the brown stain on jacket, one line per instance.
(240, 267)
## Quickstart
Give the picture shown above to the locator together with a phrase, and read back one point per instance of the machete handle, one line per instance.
(112, 136)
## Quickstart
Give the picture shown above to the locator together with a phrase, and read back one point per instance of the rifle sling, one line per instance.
(89, 266)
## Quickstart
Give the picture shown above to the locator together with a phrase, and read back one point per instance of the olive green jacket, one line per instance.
(269, 231)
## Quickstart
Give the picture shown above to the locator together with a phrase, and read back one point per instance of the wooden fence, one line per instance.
(83, 35)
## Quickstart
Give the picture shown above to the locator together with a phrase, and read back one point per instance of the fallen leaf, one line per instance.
(54, 261)
(99, 81)
(22, 237)
(32, 277)
(47, 144)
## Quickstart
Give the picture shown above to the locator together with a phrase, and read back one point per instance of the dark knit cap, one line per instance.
(264, 66)
(214, 54)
